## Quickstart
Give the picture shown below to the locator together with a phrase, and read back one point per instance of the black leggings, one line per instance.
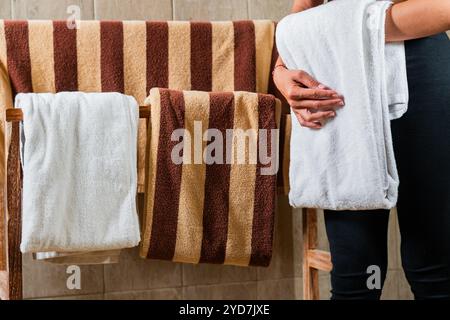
(422, 149)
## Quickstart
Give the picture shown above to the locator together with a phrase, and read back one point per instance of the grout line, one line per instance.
(67, 296)
(93, 10)
(248, 9)
(104, 279)
(173, 9)
(11, 11)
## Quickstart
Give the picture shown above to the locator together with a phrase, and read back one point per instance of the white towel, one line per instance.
(349, 164)
(79, 171)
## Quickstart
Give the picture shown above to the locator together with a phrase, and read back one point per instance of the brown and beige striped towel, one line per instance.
(132, 57)
(197, 211)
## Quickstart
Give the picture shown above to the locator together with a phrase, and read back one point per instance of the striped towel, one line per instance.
(197, 211)
(132, 57)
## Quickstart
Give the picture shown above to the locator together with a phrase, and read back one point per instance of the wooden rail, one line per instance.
(14, 221)
(16, 114)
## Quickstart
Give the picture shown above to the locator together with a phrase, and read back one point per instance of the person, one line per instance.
(358, 240)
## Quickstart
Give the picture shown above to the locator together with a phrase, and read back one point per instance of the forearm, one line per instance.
(413, 19)
(300, 5)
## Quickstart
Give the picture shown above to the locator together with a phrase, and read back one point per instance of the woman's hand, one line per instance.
(312, 102)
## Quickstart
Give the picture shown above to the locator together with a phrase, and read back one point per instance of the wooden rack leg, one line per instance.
(310, 275)
(14, 228)
(313, 258)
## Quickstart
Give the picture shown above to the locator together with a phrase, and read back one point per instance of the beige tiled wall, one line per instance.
(134, 278)
(266, 9)
(5, 9)
(133, 9)
(210, 10)
(49, 9)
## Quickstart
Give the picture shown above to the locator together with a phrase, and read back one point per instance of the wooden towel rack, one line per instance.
(11, 279)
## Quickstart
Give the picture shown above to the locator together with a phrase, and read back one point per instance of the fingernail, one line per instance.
(321, 86)
(332, 114)
(341, 103)
(335, 95)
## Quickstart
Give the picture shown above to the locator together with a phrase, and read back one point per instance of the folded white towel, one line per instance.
(79, 171)
(349, 164)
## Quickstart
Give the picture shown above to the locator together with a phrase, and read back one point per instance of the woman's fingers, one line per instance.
(312, 102)
(316, 94)
(299, 93)
(307, 124)
(318, 104)
(308, 81)
(316, 116)
(313, 120)
(304, 78)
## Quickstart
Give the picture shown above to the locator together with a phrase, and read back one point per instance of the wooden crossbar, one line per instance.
(11, 279)
(16, 114)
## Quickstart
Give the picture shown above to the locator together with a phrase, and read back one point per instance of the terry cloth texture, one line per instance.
(349, 164)
(78, 153)
(210, 211)
(132, 57)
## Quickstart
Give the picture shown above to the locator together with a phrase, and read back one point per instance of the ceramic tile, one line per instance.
(286, 259)
(51, 9)
(134, 273)
(43, 279)
(133, 10)
(213, 274)
(210, 9)
(280, 289)
(269, 9)
(5, 9)
(230, 291)
(324, 287)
